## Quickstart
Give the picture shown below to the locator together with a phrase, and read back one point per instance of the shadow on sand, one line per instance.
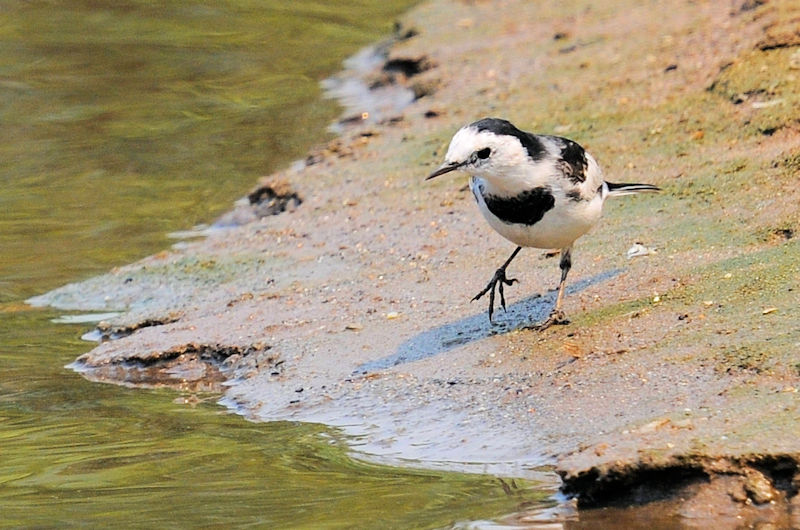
(476, 327)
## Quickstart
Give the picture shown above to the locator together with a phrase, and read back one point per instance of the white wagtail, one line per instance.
(535, 190)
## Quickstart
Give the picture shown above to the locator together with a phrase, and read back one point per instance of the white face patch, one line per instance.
(465, 143)
(484, 153)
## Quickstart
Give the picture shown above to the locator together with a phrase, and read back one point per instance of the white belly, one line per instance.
(558, 228)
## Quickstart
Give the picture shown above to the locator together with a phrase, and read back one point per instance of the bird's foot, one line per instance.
(556, 318)
(496, 283)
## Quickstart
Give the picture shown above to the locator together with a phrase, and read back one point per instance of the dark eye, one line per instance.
(484, 153)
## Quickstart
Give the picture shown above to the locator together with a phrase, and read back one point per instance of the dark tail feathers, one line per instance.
(629, 189)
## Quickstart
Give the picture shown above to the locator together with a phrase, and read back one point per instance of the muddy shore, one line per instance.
(676, 381)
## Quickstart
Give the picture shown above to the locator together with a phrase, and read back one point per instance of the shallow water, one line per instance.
(123, 121)
(164, 113)
(84, 453)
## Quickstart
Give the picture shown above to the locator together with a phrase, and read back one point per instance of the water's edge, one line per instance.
(361, 322)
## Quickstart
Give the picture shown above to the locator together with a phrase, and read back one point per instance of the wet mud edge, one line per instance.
(748, 489)
(745, 484)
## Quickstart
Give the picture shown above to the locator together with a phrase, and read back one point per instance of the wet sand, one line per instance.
(676, 382)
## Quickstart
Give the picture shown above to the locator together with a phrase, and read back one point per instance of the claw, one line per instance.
(496, 283)
(556, 318)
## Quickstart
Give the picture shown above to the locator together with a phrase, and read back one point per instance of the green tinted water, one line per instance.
(82, 453)
(123, 121)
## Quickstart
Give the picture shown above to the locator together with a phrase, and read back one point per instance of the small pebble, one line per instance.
(758, 487)
(794, 60)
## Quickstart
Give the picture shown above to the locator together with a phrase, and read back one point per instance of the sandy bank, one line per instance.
(680, 369)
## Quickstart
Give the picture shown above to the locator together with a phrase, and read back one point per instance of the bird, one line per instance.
(535, 190)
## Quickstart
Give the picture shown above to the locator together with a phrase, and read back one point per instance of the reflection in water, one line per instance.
(123, 121)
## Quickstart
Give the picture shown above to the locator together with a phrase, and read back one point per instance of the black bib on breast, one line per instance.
(526, 208)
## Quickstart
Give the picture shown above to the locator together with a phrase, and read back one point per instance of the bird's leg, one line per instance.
(497, 282)
(557, 315)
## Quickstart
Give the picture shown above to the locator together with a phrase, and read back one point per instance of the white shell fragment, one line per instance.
(639, 250)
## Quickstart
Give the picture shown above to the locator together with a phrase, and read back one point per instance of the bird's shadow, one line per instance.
(443, 338)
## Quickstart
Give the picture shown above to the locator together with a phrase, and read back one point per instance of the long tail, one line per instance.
(615, 189)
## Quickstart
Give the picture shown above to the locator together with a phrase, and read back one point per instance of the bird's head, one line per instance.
(489, 148)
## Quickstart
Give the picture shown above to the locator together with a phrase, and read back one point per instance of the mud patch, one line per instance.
(406, 66)
(272, 196)
(749, 489)
(630, 485)
(106, 331)
(192, 366)
(376, 86)
(400, 70)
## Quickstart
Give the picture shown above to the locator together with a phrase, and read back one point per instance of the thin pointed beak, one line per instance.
(445, 168)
